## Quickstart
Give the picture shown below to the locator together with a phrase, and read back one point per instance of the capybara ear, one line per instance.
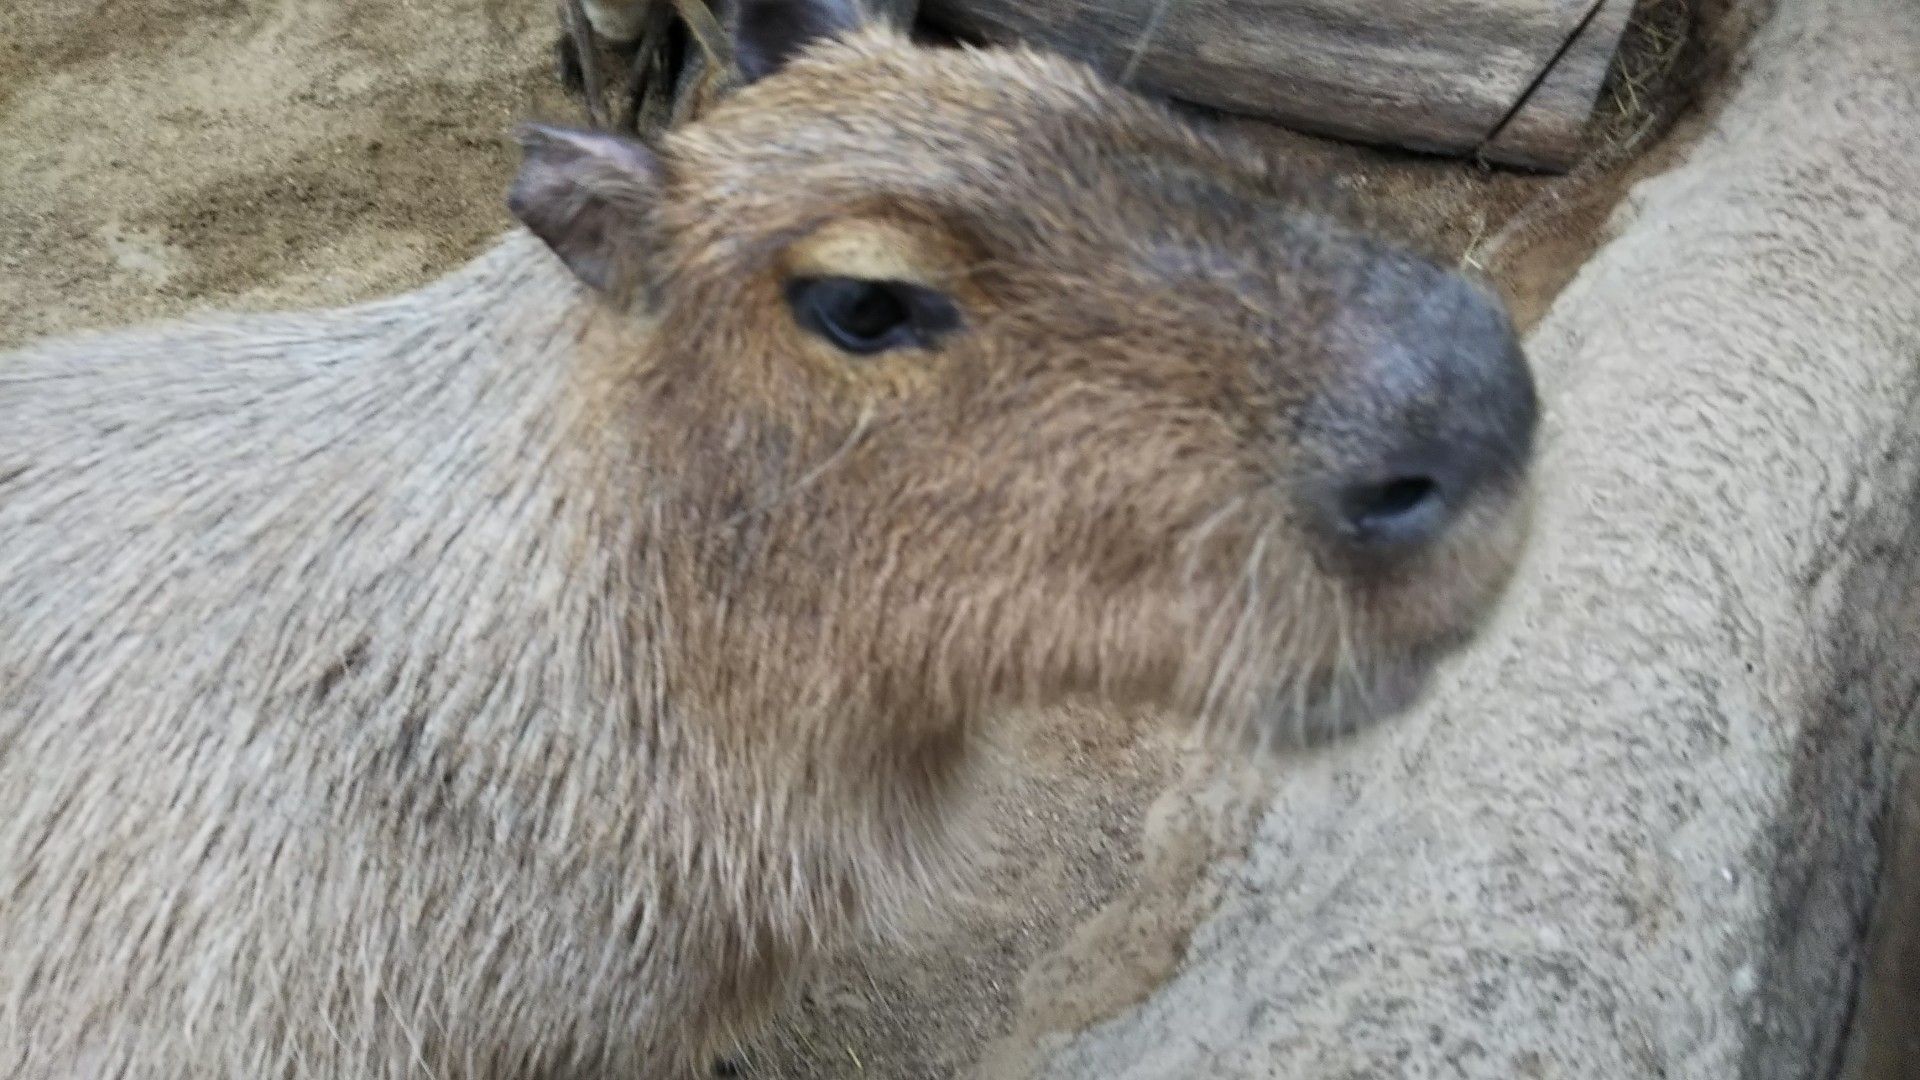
(768, 33)
(588, 195)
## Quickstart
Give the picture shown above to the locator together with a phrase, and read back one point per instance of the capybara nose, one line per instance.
(1432, 412)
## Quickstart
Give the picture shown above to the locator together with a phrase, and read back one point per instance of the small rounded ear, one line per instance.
(587, 194)
(768, 33)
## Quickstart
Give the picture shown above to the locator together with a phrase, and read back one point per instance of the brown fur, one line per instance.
(499, 681)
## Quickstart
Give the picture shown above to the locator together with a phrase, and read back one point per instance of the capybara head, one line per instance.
(973, 380)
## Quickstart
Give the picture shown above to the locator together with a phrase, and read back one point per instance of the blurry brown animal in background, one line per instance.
(526, 675)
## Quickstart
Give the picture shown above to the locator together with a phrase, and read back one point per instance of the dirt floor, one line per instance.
(160, 156)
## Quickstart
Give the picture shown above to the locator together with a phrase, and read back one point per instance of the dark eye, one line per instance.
(867, 317)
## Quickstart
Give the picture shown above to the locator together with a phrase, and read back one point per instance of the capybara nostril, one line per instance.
(1399, 512)
(1434, 413)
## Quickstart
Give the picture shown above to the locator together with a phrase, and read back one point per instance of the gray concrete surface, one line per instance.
(1632, 834)
(1885, 1042)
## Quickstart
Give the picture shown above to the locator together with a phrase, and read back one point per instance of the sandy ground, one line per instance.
(160, 156)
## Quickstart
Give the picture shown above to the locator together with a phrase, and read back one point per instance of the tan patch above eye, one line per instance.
(875, 249)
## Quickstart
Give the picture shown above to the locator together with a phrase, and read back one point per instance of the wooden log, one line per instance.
(1545, 130)
(1511, 80)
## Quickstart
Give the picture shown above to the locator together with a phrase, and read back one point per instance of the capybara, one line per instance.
(524, 676)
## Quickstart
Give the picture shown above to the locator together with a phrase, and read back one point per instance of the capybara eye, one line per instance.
(867, 317)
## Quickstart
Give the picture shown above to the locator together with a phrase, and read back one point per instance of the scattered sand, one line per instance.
(162, 155)
(158, 156)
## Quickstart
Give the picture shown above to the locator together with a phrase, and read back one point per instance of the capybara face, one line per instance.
(982, 382)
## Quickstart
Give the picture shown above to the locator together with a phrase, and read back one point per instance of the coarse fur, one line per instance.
(516, 679)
